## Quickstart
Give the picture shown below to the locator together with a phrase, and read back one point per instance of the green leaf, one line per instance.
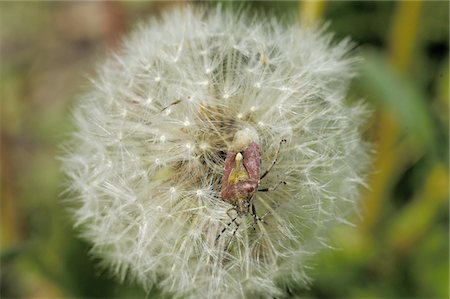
(395, 93)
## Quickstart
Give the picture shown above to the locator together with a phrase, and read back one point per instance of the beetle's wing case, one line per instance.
(252, 161)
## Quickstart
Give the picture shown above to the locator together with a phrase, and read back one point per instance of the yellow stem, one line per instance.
(391, 159)
(311, 11)
(404, 33)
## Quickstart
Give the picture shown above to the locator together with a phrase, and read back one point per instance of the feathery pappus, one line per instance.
(214, 152)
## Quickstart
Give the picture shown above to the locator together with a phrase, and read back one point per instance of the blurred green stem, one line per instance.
(414, 220)
(11, 234)
(390, 163)
(443, 96)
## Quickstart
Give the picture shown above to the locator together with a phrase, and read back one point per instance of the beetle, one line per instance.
(241, 177)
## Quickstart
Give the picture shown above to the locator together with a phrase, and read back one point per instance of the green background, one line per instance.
(400, 247)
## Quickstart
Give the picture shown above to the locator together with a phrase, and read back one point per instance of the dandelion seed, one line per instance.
(148, 177)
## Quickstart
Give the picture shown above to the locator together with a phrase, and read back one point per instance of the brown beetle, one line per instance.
(242, 175)
(241, 178)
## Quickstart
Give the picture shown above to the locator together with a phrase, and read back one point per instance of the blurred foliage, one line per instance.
(399, 247)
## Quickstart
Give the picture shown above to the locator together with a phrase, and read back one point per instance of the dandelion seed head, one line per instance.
(147, 159)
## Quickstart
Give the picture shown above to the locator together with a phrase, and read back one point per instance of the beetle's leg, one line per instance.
(234, 233)
(254, 215)
(262, 218)
(274, 160)
(233, 219)
(272, 188)
(228, 212)
(226, 227)
(256, 218)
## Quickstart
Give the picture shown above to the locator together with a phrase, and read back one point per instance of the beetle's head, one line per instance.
(242, 207)
(243, 138)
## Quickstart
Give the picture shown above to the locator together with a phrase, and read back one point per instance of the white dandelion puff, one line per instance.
(185, 96)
